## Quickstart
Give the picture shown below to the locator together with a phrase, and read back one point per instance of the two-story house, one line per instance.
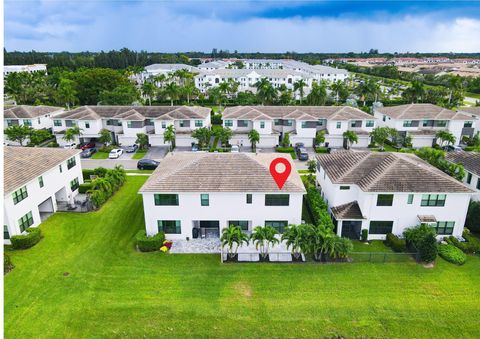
(474, 112)
(196, 195)
(125, 122)
(36, 182)
(389, 192)
(301, 122)
(423, 121)
(471, 163)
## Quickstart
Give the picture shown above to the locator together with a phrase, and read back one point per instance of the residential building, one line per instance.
(165, 69)
(196, 195)
(7, 69)
(301, 122)
(37, 182)
(213, 65)
(423, 121)
(474, 112)
(389, 192)
(125, 122)
(471, 163)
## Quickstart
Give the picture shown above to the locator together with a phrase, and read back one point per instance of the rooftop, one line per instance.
(24, 164)
(28, 112)
(245, 72)
(421, 112)
(219, 172)
(347, 211)
(471, 110)
(469, 160)
(170, 67)
(388, 172)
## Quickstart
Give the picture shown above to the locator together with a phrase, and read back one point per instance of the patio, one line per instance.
(203, 246)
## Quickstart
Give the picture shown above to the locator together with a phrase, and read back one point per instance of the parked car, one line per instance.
(147, 164)
(235, 149)
(131, 149)
(88, 152)
(115, 153)
(194, 148)
(302, 154)
(299, 145)
(450, 148)
(88, 145)
(71, 145)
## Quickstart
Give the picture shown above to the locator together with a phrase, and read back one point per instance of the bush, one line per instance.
(7, 263)
(83, 188)
(106, 149)
(414, 235)
(473, 242)
(452, 254)
(28, 240)
(53, 144)
(395, 243)
(290, 150)
(87, 173)
(100, 171)
(364, 235)
(427, 248)
(318, 207)
(149, 244)
(473, 216)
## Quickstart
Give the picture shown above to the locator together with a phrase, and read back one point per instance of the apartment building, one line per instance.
(196, 195)
(125, 122)
(301, 122)
(163, 69)
(389, 192)
(7, 69)
(423, 121)
(37, 181)
(474, 113)
(471, 163)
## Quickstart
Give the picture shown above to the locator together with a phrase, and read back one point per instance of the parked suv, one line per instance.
(302, 154)
(88, 152)
(147, 164)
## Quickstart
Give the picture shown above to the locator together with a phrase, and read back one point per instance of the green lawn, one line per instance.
(113, 291)
(99, 155)
(139, 171)
(139, 154)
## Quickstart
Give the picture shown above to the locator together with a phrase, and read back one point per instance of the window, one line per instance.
(380, 227)
(288, 122)
(385, 200)
(262, 124)
(441, 123)
(444, 227)
(279, 225)
(198, 123)
(71, 163)
(27, 122)
(410, 199)
(164, 124)
(40, 181)
(433, 200)
(70, 123)
(469, 178)
(344, 188)
(478, 183)
(427, 123)
(468, 124)
(384, 118)
(242, 223)
(339, 124)
(249, 198)
(60, 168)
(277, 199)
(355, 123)
(74, 184)
(407, 123)
(242, 123)
(87, 125)
(6, 234)
(12, 122)
(58, 123)
(184, 123)
(228, 123)
(204, 200)
(370, 123)
(20, 195)
(320, 123)
(277, 122)
(166, 199)
(25, 221)
(169, 226)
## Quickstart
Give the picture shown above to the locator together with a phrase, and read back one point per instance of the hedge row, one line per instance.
(84, 188)
(470, 246)
(395, 243)
(290, 150)
(452, 254)
(149, 244)
(28, 240)
(318, 207)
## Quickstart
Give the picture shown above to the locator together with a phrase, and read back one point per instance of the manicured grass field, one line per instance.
(113, 291)
(139, 171)
(139, 154)
(99, 155)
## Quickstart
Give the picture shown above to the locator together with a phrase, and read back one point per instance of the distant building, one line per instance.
(165, 69)
(7, 69)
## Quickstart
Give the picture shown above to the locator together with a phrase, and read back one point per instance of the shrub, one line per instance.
(427, 248)
(100, 171)
(83, 188)
(452, 254)
(28, 240)
(7, 263)
(473, 216)
(149, 244)
(87, 173)
(395, 243)
(318, 207)
(364, 235)
(53, 144)
(473, 242)
(106, 149)
(414, 235)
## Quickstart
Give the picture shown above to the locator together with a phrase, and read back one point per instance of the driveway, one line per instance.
(156, 152)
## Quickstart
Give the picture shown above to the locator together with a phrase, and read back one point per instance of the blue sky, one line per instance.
(249, 26)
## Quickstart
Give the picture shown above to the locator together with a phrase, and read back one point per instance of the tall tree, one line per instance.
(351, 138)
(318, 94)
(121, 95)
(105, 136)
(265, 91)
(254, 138)
(169, 136)
(148, 91)
(298, 86)
(142, 140)
(172, 91)
(18, 133)
(203, 135)
(71, 133)
(66, 93)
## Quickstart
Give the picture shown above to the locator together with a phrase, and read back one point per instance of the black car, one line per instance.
(302, 154)
(87, 153)
(147, 164)
(299, 145)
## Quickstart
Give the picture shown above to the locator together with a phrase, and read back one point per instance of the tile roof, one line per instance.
(422, 111)
(28, 112)
(346, 211)
(470, 110)
(219, 172)
(295, 112)
(469, 160)
(136, 112)
(388, 172)
(245, 72)
(23, 164)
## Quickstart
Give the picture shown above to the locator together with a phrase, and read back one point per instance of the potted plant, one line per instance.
(263, 237)
(232, 238)
(293, 237)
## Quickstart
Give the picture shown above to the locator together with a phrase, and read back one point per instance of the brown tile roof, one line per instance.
(219, 172)
(347, 211)
(295, 112)
(470, 110)
(28, 112)
(469, 160)
(23, 164)
(421, 112)
(388, 172)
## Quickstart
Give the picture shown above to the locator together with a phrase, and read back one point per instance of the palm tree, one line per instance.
(224, 88)
(189, 90)
(231, 236)
(351, 138)
(285, 96)
(265, 91)
(298, 86)
(169, 136)
(454, 84)
(318, 94)
(263, 237)
(172, 91)
(254, 138)
(445, 136)
(317, 240)
(342, 247)
(148, 90)
(293, 237)
(225, 136)
(319, 137)
(336, 87)
(418, 89)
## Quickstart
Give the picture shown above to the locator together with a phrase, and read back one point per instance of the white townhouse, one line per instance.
(196, 195)
(471, 163)
(165, 69)
(474, 113)
(301, 122)
(423, 121)
(212, 65)
(389, 192)
(125, 122)
(37, 182)
(7, 69)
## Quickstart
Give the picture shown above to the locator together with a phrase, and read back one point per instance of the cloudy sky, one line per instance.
(248, 26)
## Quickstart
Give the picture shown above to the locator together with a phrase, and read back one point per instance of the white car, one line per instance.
(235, 149)
(70, 146)
(115, 153)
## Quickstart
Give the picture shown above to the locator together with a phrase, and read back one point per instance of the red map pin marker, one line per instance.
(280, 177)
